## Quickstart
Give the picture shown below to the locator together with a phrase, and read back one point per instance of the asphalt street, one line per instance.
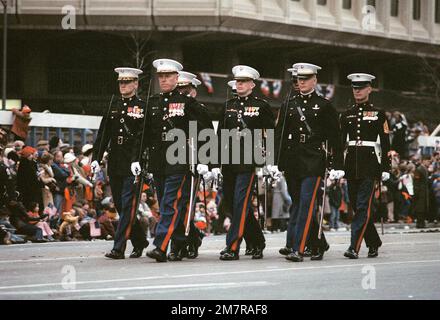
(408, 268)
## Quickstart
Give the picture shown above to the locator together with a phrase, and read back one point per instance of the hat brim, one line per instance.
(361, 85)
(305, 76)
(127, 79)
(243, 79)
(167, 71)
(183, 84)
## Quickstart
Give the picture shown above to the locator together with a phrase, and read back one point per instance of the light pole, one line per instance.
(5, 50)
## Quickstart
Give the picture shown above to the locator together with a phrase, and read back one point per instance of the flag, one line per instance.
(326, 90)
(277, 85)
(265, 89)
(206, 78)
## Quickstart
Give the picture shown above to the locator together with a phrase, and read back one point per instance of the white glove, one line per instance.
(202, 169)
(385, 176)
(136, 168)
(336, 174)
(274, 171)
(95, 167)
(216, 172)
(208, 177)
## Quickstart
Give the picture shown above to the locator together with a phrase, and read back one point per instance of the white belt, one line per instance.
(362, 144)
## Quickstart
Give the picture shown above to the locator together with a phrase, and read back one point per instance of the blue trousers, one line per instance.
(361, 193)
(125, 193)
(173, 193)
(194, 233)
(303, 225)
(237, 193)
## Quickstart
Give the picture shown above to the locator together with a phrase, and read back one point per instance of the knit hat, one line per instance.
(27, 151)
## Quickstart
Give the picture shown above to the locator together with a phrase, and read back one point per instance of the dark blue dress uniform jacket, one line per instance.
(167, 111)
(123, 127)
(242, 113)
(302, 153)
(365, 123)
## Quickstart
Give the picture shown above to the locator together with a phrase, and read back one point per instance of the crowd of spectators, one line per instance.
(55, 196)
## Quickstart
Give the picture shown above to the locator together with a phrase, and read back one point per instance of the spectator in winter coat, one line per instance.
(60, 172)
(421, 192)
(20, 126)
(28, 183)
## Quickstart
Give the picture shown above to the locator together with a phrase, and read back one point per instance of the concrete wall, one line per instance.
(238, 14)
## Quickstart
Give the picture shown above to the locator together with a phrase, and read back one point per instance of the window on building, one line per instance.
(346, 4)
(394, 8)
(437, 11)
(322, 2)
(416, 9)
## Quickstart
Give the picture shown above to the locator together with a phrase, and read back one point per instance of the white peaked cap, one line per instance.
(167, 66)
(245, 72)
(360, 80)
(294, 70)
(188, 78)
(306, 70)
(128, 73)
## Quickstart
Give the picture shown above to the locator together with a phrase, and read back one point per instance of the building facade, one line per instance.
(61, 53)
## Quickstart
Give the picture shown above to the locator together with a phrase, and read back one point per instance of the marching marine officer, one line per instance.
(121, 127)
(187, 83)
(306, 122)
(170, 110)
(291, 226)
(362, 125)
(245, 111)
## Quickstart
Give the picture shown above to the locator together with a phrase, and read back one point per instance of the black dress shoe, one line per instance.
(285, 251)
(185, 252)
(230, 255)
(114, 254)
(319, 253)
(373, 252)
(249, 251)
(136, 253)
(307, 253)
(295, 256)
(258, 252)
(193, 249)
(350, 253)
(157, 254)
(193, 252)
(174, 256)
(176, 251)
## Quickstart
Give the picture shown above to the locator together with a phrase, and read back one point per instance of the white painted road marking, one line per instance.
(225, 285)
(167, 276)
